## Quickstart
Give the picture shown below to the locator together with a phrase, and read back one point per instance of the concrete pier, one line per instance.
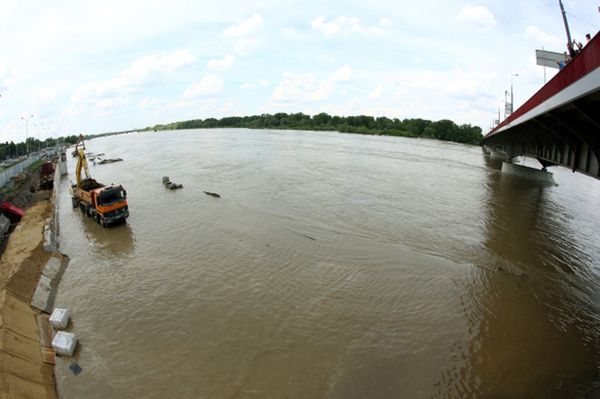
(527, 172)
(498, 155)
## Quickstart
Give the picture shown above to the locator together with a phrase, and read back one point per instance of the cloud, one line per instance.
(376, 93)
(344, 74)
(296, 87)
(386, 22)
(113, 103)
(225, 63)
(453, 83)
(207, 86)
(140, 74)
(246, 35)
(44, 96)
(307, 88)
(541, 38)
(246, 28)
(147, 103)
(479, 16)
(252, 85)
(5, 77)
(146, 69)
(347, 25)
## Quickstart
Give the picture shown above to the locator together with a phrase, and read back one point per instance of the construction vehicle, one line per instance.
(106, 204)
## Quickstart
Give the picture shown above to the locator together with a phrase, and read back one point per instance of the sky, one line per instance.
(71, 67)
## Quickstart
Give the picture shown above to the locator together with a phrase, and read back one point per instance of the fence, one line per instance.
(6, 174)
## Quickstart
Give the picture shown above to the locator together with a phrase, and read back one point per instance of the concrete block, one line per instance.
(60, 318)
(64, 343)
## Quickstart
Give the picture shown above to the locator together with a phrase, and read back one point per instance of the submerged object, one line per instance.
(169, 184)
(105, 161)
(212, 194)
(75, 368)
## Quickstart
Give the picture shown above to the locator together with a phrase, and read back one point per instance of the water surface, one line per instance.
(332, 266)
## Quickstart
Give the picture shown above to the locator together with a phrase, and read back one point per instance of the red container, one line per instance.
(47, 168)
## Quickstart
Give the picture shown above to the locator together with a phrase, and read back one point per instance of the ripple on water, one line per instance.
(333, 266)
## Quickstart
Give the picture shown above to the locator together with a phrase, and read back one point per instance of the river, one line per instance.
(333, 266)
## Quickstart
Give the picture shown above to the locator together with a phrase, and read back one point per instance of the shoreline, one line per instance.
(26, 356)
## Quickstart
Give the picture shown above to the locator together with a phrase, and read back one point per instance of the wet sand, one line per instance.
(23, 374)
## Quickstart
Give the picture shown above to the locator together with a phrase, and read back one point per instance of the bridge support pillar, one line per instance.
(500, 155)
(527, 172)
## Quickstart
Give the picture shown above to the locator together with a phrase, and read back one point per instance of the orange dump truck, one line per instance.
(106, 204)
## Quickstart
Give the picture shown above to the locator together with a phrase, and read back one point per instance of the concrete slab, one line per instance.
(53, 268)
(43, 297)
(49, 242)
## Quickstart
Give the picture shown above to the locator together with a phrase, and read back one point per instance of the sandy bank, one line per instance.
(23, 374)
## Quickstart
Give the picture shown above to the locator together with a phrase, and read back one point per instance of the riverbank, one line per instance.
(26, 369)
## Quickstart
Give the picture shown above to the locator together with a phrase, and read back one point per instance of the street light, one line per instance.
(512, 98)
(26, 119)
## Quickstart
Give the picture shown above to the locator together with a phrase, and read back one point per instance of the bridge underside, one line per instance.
(567, 136)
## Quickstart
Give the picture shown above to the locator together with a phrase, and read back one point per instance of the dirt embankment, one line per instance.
(23, 374)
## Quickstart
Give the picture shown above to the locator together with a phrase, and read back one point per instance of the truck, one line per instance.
(106, 204)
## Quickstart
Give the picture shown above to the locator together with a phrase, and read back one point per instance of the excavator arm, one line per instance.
(81, 162)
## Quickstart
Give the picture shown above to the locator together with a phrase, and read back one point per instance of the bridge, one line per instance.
(560, 124)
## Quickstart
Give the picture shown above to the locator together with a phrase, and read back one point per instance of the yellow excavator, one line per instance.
(106, 204)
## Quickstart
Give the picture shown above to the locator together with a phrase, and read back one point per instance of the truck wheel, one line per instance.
(74, 202)
(82, 207)
(97, 217)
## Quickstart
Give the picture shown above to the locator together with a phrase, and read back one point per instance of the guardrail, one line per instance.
(6, 174)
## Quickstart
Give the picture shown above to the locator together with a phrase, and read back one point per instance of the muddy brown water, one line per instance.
(332, 266)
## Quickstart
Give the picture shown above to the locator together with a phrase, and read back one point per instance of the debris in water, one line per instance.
(105, 161)
(169, 184)
(75, 368)
(212, 194)
(309, 237)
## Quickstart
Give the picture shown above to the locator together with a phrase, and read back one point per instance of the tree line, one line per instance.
(11, 149)
(442, 130)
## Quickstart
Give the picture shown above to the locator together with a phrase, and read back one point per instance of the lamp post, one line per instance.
(564, 15)
(26, 119)
(512, 97)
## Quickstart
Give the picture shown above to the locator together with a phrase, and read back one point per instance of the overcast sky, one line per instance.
(98, 66)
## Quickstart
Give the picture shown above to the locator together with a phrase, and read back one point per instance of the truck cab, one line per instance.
(110, 204)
